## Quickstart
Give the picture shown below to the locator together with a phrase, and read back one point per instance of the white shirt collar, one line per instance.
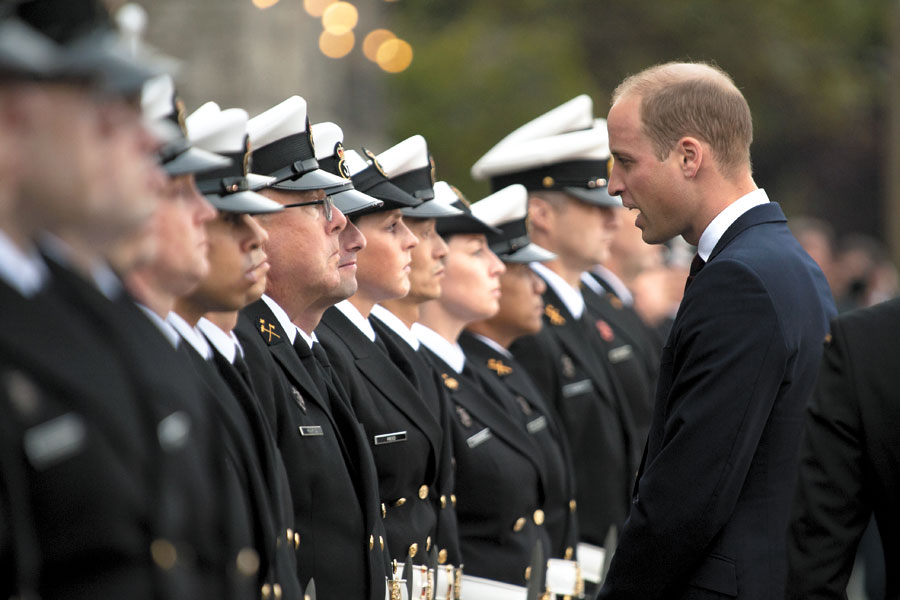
(611, 279)
(191, 335)
(497, 347)
(570, 296)
(282, 318)
(718, 226)
(396, 325)
(221, 340)
(25, 272)
(167, 330)
(449, 352)
(356, 317)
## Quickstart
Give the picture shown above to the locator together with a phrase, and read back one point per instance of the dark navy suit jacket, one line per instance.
(710, 508)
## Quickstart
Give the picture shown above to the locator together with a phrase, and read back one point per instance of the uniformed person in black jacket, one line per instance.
(311, 250)
(108, 479)
(562, 159)
(405, 434)
(501, 474)
(486, 346)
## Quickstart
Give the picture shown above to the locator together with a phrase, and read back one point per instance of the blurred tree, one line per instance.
(815, 75)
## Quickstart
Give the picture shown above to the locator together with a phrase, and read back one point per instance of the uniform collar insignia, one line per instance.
(451, 383)
(267, 330)
(497, 365)
(554, 315)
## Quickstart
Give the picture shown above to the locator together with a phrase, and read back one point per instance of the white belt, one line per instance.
(479, 588)
(439, 584)
(591, 559)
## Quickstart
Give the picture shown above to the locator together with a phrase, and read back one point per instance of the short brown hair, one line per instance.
(693, 99)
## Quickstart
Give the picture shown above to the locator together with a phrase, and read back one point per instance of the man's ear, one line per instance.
(539, 213)
(690, 156)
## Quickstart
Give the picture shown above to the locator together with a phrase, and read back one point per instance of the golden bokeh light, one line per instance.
(373, 42)
(336, 46)
(315, 8)
(261, 4)
(339, 18)
(394, 55)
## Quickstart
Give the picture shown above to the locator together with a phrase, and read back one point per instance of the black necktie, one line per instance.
(241, 367)
(696, 265)
(313, 366)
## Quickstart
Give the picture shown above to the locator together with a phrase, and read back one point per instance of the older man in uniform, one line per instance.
(334, 484)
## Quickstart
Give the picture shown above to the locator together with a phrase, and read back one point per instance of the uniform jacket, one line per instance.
(403, 432)
(421, 373)
(850, 459)
(333, 481)
(710, 507)
(531, 410)
(135, 478)
(569, 366)
(500, 481)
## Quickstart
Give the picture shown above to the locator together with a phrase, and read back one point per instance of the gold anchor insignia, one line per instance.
(553, 314)
(450, 382)
(374, 162)
(497, 365)
(268, 328)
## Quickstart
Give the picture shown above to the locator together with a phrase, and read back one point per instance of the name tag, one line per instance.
(617, 355)
(479, 438)
(310, 430)
(48, 443)
(577, 387)
(537, 425)
(390, 438)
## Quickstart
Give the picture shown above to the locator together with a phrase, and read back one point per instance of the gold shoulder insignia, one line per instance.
(450, 382)
(828, 338)
(497, 365)
(269, 329)
(553, 314)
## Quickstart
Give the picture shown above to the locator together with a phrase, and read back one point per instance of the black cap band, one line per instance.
(589, 174)
(288, 157)
(417, 182)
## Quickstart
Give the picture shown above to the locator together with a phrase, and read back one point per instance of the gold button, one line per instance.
(572, 505)
(276, 589)
(164, 554)
(371, 542)
(400, 502)
(266, 591)
(443, 501)
(442, 556)
(519, 525)
(538, 517)
(527, 573)
(247, 562)
(428, 543)
(413, 548)
(381, 542)
(289, 535)
(547, 181)
(296, 540)
(570, 552)
(383, 511)
(423, 492)
(453, 499)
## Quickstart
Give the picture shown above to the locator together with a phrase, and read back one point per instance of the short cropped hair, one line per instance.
(693, 99)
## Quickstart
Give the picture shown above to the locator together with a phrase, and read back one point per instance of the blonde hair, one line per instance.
(693, 99)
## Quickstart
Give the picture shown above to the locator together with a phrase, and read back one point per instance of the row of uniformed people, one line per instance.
(299, 473)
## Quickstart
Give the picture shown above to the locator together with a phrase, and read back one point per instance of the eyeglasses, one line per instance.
(327, 202)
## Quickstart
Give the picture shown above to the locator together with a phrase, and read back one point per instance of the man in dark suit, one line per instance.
(710, 507)
(849, 457)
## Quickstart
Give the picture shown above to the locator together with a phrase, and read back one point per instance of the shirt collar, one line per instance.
(357, 318)
(491, 343)
(570, 296)
(220, 340)
(612, 280)
(450, 352)
(190, 334)
(23, 271)
(167, 330)
(396, 325)
(718, 226)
